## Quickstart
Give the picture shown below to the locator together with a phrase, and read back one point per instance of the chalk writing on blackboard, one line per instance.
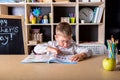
(11, 34)
(7, 32)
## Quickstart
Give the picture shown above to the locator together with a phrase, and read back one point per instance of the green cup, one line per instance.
(72, 20)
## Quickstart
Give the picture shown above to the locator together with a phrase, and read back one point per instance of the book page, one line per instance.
(63, 59)
(36, 58)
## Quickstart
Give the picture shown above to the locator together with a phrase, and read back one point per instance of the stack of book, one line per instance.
(98, 13)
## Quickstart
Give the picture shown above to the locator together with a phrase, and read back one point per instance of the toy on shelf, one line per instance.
(36, 12)
(47, 1)
(40, 0)
(37, 17)
(36, 37)
(45, 19)
(65, 19)
(50, 17)
(34, 16)
(32, 0)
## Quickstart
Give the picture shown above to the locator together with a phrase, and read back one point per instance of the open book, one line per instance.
(63, 59)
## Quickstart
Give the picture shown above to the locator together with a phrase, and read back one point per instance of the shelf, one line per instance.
(90, 42)
(90, 23)
(31, 44)
(13, 4)
(66, 4)
(63, 11)
(37, 24)
(70, 23)
(82, 32)
(90, 3)
(35, 44)
(83, 24)
(39, 4)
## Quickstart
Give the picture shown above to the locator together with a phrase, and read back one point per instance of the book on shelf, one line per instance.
(95, 0)
(101, 9)
(96, 11)
(49, 58)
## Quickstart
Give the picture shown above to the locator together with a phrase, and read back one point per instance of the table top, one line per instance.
(11, 68)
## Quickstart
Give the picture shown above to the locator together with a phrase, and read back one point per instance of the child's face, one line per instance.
(63, 41)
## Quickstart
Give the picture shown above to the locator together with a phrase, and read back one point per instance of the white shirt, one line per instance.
(71, 50)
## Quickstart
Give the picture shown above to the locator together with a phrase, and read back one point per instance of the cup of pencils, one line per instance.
(72, 17)
(112, 48)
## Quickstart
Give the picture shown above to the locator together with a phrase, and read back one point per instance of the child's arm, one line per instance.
(40, 48)
(82, 53)
(78, 57)
(46, 47)
(54, 50)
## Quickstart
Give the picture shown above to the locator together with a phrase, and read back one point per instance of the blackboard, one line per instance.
(11, 35)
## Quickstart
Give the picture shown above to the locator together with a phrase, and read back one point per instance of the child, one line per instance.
(64, 44)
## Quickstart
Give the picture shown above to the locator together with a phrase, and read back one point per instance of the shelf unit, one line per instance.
(82, 32)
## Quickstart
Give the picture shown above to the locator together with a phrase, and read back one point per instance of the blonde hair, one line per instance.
(64, 28)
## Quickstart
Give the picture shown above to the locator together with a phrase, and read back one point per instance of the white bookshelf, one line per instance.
(92, 32)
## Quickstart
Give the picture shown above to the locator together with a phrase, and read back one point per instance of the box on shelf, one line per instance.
(65, 19)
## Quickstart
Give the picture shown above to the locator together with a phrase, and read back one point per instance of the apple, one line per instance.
(109, 64)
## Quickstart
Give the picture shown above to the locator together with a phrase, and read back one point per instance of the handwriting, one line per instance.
(3, 22)
(7, 31)
(4, 39)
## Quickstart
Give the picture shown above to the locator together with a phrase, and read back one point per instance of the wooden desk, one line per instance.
(89, 69)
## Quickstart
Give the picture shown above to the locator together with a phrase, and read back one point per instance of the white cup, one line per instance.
(82, 21)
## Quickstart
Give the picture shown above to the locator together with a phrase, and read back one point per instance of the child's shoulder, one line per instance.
(52, 43)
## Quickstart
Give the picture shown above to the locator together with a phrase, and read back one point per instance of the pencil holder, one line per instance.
(72, 20)
(112, 50)
(34, 20)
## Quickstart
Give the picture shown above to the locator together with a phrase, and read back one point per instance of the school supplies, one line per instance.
(49, 58)
(112, 48)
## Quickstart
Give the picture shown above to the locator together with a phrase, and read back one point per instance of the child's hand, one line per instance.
(55, 50)
(78, 57)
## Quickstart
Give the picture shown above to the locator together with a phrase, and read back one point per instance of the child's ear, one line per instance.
(55, 37)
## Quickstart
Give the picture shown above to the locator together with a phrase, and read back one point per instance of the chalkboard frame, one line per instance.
(22, 26)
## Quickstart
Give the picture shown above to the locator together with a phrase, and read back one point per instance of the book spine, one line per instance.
(100, 15)
(96, 11)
